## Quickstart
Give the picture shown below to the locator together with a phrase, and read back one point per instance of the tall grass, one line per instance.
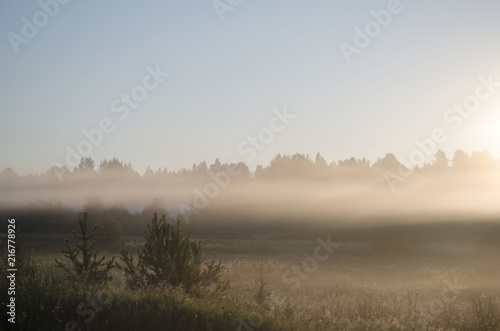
(46, 300)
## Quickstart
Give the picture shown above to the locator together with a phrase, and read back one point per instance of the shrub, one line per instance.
(170, 257)
(261, 292)
(88, 268)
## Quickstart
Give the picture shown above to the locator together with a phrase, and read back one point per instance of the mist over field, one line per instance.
(250, 165)
(304, 244)
(292, 189)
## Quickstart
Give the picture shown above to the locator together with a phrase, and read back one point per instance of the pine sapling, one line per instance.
(86, 266)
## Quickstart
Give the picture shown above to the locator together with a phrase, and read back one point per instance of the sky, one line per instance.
(209, 74)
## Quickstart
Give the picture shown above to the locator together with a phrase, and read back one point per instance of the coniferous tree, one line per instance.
(86, 266)
(461, 160)
(170, 257)
(440, 160)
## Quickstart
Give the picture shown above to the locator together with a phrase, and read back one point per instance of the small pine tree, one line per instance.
(170, 257)
(88, 268)
(261, 292)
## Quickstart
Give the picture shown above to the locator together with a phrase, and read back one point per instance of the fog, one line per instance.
(294, 189)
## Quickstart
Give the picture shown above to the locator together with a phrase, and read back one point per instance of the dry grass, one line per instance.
(436, 287)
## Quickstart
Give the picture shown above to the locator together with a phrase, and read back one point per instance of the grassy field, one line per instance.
(279, 284)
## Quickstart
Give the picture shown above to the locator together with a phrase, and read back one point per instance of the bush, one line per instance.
(88, 268)
(171, 258)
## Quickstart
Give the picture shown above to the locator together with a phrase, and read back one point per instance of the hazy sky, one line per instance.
(226, 77)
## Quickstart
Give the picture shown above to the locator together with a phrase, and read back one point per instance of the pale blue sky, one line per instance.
(227, 76)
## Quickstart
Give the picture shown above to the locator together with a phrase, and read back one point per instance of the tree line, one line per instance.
(297, 165)
(46, 214)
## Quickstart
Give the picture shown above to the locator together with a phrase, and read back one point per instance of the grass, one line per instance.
(352, 290)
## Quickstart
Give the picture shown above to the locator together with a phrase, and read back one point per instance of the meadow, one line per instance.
(327, 282)
(336, 164)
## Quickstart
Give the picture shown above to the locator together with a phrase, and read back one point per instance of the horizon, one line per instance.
(178, 83)
(336, 162)
(404, 162)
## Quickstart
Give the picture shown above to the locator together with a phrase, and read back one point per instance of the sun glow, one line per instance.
(487, 128)
(492, 132)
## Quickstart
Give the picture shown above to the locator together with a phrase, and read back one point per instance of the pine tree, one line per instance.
(88, 267)
(261, 292)
(440, 160)
(171, 258)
